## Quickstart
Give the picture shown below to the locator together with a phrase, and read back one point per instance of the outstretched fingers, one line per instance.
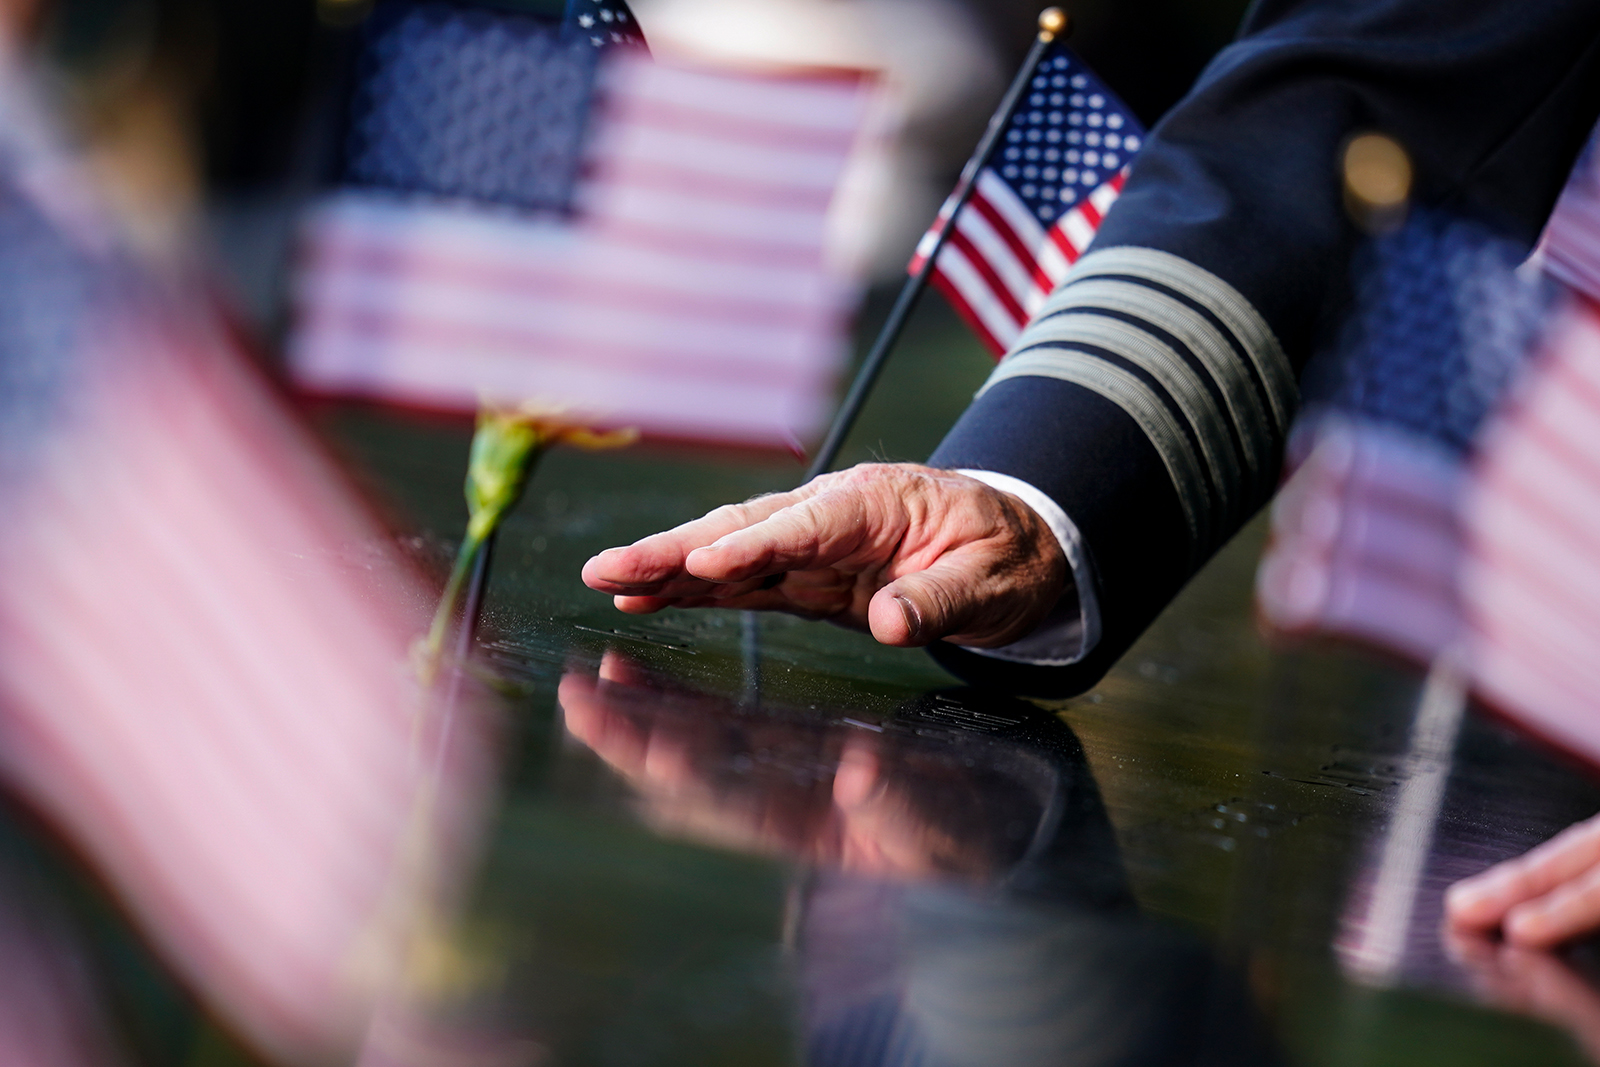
(913, 554)
(808, 594)
(1541, 898)
(808, 534)
(695, 593)
(1566, 912)
(654, 567)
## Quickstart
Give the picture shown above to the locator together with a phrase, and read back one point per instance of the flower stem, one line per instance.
(505, 452)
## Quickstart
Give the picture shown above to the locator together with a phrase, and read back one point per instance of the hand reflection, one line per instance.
(977, 913)
(878, 804)
(1536, 983)
(1549, 895)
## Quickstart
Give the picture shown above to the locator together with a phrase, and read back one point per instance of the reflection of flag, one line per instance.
(1039, 202)
(1366, 534)
(688, 294)
(1532, 580)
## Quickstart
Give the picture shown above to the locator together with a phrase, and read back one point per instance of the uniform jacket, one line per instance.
(1151, 397)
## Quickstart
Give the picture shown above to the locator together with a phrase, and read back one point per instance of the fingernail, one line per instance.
(912, 616)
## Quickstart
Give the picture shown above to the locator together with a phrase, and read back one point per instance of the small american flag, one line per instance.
(205, 689)
(1037, 205)
(657, 260)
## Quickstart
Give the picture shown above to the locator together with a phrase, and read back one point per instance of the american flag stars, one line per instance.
(1071, 138)
(688, 293)
(1038, 202)
(607, 22)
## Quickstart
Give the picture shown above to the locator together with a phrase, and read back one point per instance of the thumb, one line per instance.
(918, 609)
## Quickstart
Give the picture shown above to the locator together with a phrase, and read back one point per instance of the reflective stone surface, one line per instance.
(1229, 853)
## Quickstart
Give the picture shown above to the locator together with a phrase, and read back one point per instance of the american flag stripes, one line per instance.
(1532, 516)
(1037, 205)
(203, 660)
(205, 684)
(1366, 541)
(1531, 581)
(1569, 249)
(689, 292)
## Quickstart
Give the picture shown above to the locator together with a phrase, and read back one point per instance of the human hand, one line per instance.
(912, 554)
(1536, 983)
(1540, 899)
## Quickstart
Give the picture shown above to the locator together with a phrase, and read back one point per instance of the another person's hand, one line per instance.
(1536, 983)
(910, 553)
(1540, 899)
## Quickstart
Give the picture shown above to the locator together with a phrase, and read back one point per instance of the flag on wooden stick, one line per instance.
(1039, 201)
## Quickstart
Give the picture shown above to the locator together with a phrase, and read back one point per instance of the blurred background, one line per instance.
(212, 120)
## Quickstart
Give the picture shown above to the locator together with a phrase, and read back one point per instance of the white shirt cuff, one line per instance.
(1073, 627)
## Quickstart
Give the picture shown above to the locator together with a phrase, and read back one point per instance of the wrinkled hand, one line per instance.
(1538, 900)
(910, 553)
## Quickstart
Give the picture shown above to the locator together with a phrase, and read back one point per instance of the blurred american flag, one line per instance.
(678, 282)
(1532, 578)
(1452, 502)
(1366, 535)
(1039, 202)
(203, 657)
(204, 640)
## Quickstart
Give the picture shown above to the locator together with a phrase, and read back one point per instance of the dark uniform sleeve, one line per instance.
(1151, 395)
